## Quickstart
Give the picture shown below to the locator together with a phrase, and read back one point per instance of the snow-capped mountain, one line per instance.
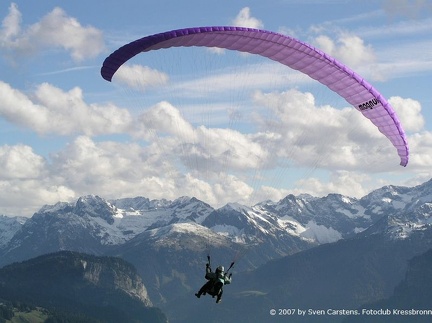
(325, 219)
(92, 224)
(8, 227)
(404, 211)
(258, 229)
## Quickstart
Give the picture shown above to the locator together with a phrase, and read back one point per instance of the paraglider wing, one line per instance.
(285, 50)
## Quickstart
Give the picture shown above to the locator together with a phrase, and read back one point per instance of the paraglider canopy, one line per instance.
(285, 50)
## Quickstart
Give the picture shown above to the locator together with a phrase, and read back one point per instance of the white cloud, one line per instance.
(115, 170)
(214, 162)
(409, 113)
(220, 149)
(200, 148)
(26, 182)
(349, 49)
(11, 25)
(217, 165)
(103, 167)
(351, 184)
(386, 60)
(321, 136)
(50, 110)
(244, 19)
(264, 193)
(420, 151)
(54, 30)
(20, 162)
(164, 118)
(140, 77)
(24, 197)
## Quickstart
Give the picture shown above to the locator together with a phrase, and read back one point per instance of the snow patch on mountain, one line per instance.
(292, 226)
(321, 233)
(401, 231)
(188, 228)
(227, 230)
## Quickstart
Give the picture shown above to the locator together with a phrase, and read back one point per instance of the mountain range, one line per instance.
(301, 251)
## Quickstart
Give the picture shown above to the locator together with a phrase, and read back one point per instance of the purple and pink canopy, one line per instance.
(285, 50)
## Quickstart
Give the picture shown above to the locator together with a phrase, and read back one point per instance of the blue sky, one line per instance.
(220, 126)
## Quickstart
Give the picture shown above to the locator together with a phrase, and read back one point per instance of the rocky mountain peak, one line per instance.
(95, 206)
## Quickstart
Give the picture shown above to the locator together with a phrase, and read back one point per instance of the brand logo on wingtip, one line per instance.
(368, 104)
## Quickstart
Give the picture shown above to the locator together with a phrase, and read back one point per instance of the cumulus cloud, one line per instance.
(115, 170)
(26, 181)
(421, 151)
(11, 25)
(219, 149)
(200, 148)
(54, 30)
(50, 110)
(409, 112)
(244, 19)
(349, 49)
(20, 162)
(86, 164)
(347, 183)
(215, 165)
(320, 136)
(140, 77)
(164, 118)
(24, 197)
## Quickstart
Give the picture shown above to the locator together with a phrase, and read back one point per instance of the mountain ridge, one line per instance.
(99, 288)
(305, 221)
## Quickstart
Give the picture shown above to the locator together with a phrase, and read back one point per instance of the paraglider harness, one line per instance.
(214, 285)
